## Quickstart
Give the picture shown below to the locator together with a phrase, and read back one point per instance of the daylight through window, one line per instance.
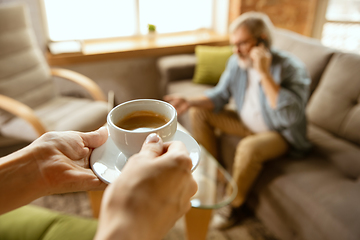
(342, 27)
(94, 19)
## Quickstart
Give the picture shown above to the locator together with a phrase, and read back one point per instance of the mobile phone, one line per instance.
(263, 41)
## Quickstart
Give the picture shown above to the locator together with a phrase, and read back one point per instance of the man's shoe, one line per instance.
(228, 217)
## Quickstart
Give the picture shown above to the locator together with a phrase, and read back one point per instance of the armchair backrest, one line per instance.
(24, 73)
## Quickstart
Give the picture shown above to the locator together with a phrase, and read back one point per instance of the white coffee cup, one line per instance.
(130, 142)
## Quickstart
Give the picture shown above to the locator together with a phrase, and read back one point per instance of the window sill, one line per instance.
(142, 46)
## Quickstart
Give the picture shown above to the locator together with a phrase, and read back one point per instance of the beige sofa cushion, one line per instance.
(187, 88)
(307, 199)
(335, 104)
(343, 154)
(60, 114)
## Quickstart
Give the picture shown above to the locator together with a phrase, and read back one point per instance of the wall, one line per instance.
(129, 78)
(295, 15)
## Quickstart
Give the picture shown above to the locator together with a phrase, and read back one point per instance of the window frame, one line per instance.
(144, 46)
(321, 19)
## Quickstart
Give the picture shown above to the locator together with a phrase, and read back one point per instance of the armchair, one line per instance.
(29, 105)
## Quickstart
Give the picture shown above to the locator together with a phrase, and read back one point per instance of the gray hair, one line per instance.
(257, 23)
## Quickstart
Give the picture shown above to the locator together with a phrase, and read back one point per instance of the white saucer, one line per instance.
(107, 160)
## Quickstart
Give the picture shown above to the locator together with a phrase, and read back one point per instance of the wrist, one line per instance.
(118, 221)
(20, 180)
(265, 75)
(190, 103)
(116, 229)
(124, 226)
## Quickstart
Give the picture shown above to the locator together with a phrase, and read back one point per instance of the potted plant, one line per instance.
(151, 30)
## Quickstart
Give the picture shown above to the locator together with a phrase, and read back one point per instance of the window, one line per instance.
(342, 27)
(94, 19)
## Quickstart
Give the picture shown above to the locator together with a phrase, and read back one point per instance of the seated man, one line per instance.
(270, 89)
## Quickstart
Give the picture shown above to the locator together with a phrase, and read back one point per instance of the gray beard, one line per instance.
(245, 63)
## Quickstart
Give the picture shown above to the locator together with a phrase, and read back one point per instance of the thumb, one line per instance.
(153, 146)
(96, 138)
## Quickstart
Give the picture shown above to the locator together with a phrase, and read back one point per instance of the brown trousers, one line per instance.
(251, 152)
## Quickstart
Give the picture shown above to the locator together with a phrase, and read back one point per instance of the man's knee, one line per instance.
(248, 154)
(197, 113)
(262, 147)
(249, 143)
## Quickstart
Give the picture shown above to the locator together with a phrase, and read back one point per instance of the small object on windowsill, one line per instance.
(151, 28)
(151, 31)
(65, 47)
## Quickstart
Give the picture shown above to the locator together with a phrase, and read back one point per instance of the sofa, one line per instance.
(317, 196)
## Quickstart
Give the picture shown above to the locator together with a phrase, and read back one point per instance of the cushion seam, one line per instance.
(9, 78)
(18, 49)
(26, 69)
(43, 235)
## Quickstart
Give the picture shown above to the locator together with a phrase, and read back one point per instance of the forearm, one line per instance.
(122, 227)
(121, 218)
(202, 102)
(117, 229)
(20, 180)
(271, 89)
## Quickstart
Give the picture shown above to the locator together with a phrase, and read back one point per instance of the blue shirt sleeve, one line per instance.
(293, 94)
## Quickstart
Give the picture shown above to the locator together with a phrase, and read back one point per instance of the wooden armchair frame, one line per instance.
(23, 111)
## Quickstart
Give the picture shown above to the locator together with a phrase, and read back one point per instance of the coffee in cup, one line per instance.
(139, 121)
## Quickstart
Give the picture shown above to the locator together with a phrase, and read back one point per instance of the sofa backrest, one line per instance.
(309, 50)
(335, 104)
(334, 107)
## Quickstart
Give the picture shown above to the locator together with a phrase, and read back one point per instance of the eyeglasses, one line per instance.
(246, 42)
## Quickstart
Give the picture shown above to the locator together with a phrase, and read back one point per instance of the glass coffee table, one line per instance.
(212, 180)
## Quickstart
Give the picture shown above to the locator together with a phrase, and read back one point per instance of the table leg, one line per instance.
(95, 201)
(197, 223)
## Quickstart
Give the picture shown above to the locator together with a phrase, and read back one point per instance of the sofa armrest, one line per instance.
(176, 67)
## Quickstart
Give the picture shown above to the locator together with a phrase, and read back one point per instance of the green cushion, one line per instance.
(211, 62)
(31, 222)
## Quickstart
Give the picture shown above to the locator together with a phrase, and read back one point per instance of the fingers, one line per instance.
(176, 152)
(168, 98)
(96, 138)
(255, 53)
(176, 102)
(179, 103)
(171, 99)
(181, 109)
(152, 147)
(79, 179)
(260, 51)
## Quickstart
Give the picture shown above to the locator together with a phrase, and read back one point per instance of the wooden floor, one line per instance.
(78, 204)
